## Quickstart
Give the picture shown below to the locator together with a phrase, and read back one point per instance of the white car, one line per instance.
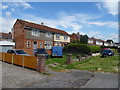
(17, 52)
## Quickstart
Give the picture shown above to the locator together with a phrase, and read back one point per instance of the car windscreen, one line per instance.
(107, 50)
(20, 52)
(42, 51)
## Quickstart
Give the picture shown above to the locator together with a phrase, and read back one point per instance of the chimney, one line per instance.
(9, 33)
(42, 23)
(78, 33)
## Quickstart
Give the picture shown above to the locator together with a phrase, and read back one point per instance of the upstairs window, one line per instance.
(65, 37)
(35, 33)
(48, 35)
(58, 36)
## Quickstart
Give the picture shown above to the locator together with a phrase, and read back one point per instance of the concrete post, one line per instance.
(41, 63)
(69, 59)
(79, 58)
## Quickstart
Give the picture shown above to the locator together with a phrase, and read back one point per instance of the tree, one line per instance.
(84, 39)
(109, 41)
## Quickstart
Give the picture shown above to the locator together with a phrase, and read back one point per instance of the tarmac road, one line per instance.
(103, 80)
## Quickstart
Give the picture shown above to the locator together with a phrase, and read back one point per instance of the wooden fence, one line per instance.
(25, 61)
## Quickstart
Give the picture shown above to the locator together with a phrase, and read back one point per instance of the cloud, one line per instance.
(99, 6)
(110, 24)
(13, 9)
(110, 6)
(4, 6)
(7, 24)
(15, 5)
(8, 13)
(23, 4)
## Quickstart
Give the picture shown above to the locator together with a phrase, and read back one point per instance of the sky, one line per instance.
(96, 19)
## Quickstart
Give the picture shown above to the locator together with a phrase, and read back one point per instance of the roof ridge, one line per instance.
(41, 25)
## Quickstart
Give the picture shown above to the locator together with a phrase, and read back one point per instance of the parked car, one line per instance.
(17, 52)
(40, 51)
(107, 52)
(57, 51)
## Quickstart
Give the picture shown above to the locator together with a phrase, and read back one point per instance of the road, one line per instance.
(103, 80)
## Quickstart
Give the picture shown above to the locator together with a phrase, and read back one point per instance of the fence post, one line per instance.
(3, 56)
(12, 59)
(69, 59)
(23, 61)
(41, 62)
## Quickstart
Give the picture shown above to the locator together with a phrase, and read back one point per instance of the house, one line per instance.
(95, 41)
(6, 45)
(75, 37)
(5, 36)
(29, 35)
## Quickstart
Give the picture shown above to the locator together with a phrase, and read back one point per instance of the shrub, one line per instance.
(95, 49)
(77, 48)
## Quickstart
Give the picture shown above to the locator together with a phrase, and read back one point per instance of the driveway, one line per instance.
(18, 77)
(103, 80)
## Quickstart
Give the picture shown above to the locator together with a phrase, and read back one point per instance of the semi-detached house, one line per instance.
(29, 35)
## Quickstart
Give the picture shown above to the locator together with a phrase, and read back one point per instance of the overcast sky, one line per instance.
(96, 19)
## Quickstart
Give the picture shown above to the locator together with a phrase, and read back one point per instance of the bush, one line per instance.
(95, 49)
(77, 48)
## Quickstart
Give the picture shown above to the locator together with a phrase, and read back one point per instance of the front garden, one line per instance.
(96, 63)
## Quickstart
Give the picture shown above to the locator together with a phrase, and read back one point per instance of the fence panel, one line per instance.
(30, 62)
(18, 59)
(1, 56)
(7, 57)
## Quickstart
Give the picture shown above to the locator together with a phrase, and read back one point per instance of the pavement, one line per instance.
(103, 80)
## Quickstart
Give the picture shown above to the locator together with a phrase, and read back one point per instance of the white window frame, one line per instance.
(41, 44)
(65, 37)
(48, 34)
(57, 44)
(35, 33)
(48, 45)
(58, 36)
(28, 44)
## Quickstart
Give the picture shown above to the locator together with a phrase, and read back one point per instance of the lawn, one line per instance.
(108, 64)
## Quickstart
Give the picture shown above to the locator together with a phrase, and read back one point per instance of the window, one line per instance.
(48, 45)
(11, 51)
(58, 36)
(57, 44)
(41, 45)
(28, 44)
(65, 37)
(35, 33)
(48, 34)
(35, 45)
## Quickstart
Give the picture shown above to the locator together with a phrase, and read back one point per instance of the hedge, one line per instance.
(95, 49)
(77, 48)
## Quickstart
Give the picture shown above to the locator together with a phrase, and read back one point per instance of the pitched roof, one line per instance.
(6, 35)
(42, 27)
(97, 39)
